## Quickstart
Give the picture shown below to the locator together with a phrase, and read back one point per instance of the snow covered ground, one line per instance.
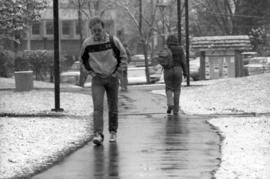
(29, 143)
(245, 148)
(246, 140)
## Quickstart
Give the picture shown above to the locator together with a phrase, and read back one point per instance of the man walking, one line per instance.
(103, 56)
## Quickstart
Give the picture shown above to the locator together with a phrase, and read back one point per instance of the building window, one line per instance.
(36, 29)
(66, 27)
(49, 28)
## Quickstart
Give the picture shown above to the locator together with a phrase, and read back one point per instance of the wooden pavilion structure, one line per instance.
(220, 56)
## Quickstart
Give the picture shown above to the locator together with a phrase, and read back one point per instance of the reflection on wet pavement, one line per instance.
(106, 164)
(173, 147)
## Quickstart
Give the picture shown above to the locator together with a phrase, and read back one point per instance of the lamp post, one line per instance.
(187, 41)
(179, 20)
(56, 57)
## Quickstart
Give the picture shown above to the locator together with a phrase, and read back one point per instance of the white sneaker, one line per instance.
(113, 137)
(98, 138)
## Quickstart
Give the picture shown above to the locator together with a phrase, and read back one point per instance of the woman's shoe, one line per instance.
(169, 110)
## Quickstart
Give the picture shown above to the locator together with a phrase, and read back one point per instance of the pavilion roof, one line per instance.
(236, 42)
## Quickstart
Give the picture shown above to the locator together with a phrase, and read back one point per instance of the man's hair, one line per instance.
(94, 21)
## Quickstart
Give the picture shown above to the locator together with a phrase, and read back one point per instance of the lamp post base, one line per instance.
(58, 110)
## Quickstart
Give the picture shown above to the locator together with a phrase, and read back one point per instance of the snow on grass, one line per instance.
(29, 144)
(245, 148)
(232, 95)
(43, 101)
(9, 83)
(246, 144)
(248, 94)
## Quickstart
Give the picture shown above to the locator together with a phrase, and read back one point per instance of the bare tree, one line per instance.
(148, 24)
(216, 17)
(229, 17)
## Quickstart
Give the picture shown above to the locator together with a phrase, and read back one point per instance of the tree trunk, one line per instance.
(146, 62)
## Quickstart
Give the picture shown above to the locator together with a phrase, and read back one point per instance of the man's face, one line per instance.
(98, 32)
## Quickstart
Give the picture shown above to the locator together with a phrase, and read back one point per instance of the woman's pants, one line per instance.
(109, 85)
(173, 97)
(173, 80)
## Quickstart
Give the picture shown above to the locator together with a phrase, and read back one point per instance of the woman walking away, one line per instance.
(173, 74)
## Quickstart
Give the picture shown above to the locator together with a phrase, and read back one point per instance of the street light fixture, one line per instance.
(162, 5)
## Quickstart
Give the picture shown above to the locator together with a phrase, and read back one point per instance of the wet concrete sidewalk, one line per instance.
(150, 145)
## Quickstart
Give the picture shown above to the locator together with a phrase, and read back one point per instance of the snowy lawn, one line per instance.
(232, 95)
(37, 101)
(30, 144)
(27, 145)
(246, 144)
(245, 148)
(249, 94)
(9, 83)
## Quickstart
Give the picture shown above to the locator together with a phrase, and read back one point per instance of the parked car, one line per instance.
(156, 70)
(258, 65)
(136, 75)
(139, 60)
(72, 76)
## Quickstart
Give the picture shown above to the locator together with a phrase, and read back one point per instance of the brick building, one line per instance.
(41, 35)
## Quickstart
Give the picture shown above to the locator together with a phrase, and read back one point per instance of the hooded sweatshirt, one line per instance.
(177, 53)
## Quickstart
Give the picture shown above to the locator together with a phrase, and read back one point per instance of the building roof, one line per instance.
(236, 42)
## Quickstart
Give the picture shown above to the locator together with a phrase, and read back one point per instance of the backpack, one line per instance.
(165, 58)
